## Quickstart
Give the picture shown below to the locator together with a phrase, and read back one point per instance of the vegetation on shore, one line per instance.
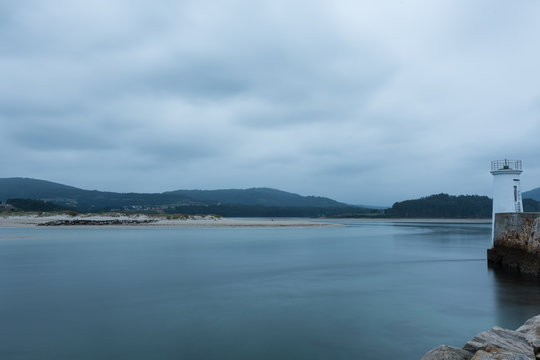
(268, 211)
(443, 206)
(530, 205)
(434, 206)
(43, 196)
(96, 201)
(37, 205)
(74, 214)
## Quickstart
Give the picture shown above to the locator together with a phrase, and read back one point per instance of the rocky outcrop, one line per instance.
(531, 330)
(496, 344)
(514, 258)
(444, 352)
(499, 340)
(499, 355)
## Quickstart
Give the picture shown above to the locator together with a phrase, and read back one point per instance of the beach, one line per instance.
(31, 220)
(92, 220)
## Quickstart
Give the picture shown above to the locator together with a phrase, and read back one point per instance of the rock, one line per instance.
(444, 352)
(95, 222)
(504, 340)
(496, 344)
(515, 259)
(484, 355)
(531, 330)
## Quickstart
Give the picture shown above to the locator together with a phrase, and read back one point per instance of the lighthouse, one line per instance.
(506, 188)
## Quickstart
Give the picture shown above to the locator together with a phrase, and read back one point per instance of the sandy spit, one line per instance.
(194, 221)
(31, 220)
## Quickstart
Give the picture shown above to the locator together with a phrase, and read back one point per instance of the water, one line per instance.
(359, 291)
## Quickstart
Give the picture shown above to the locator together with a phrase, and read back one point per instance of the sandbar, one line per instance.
(140, 220)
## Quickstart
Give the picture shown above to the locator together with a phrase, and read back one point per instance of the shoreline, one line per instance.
(141, 220)
(420, 220)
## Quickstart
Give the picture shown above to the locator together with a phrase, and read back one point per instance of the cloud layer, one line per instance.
(359, 101)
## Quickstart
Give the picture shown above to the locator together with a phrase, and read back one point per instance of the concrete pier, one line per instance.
(516, 242)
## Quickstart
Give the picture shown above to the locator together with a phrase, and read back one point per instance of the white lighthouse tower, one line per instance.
(506, 187)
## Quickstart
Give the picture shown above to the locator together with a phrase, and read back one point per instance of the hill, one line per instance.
(36, 189)
(448, 206)
(532, 194)
(531, 205)
(443, 206)
(186, 201)
(83, 200)
(35, 205)
(255, 196)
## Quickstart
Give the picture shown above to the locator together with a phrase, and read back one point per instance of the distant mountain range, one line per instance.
(93, 200)
(247, 202)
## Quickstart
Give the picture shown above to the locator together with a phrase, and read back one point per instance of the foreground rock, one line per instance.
(531, 330)
(499, 340)
(496, 344)
(444, 352)
(499, 355)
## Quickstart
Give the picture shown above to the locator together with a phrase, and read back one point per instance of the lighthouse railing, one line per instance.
(506, 165)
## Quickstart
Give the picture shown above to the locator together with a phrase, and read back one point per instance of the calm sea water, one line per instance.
(359, 291)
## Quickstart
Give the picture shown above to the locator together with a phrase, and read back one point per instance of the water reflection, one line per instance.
(517, 297)
(363, 291)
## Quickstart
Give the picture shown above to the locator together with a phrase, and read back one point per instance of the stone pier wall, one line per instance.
(516, 242)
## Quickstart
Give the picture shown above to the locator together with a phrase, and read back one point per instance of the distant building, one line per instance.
(6, 207)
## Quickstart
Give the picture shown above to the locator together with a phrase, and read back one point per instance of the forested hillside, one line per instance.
(449, 206)
(229, 202)
(532, 194)
(530, 205)
(40, 195)
(35, 205)
(443, 206)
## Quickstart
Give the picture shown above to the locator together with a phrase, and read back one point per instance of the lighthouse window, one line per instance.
(515, 193)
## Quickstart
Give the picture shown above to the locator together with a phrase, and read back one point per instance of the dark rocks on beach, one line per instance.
(496, 344)
(95, 222)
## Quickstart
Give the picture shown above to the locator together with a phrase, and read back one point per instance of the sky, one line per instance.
(365, 102)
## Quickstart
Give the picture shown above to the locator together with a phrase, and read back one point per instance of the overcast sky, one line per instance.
(366, 102)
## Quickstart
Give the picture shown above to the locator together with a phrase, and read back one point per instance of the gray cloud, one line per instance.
(361, 101)
(198, 79)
